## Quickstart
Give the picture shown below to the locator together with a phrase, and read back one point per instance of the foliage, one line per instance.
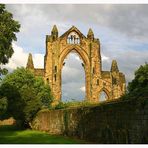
(73, 104)
(44, 92)
(3, 105)
(60, 105)
(11, 135)
(141, 79)
(8, 28)
(26, 94)
(138, 88)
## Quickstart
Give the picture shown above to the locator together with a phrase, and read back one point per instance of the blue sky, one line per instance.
(121, 29)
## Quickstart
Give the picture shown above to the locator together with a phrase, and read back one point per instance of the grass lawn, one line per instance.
(11, 135)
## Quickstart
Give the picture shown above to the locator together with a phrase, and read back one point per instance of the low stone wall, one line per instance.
(9, 121)
(116, 122)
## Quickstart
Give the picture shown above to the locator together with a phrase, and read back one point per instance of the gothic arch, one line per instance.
(80, 51)
(83, 55)
(106, 92)
(88, 48)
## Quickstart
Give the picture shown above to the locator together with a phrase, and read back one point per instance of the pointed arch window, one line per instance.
(97, 81)
(73, 38)
(47, 80)
(103, 96)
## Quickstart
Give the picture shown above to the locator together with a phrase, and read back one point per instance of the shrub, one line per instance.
(25, 93)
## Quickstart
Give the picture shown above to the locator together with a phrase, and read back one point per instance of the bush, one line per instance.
(72, 104)
(3, 106)
(138, 87)
(26, 94)
(141, 79)
(61, 105)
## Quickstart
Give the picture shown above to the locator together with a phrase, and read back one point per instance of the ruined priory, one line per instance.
(88, 48)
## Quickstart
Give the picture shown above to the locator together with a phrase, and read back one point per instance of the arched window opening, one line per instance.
(97, 81)
(73, 79)
(103, 96)
(93, 70)
(47, 80)
(73, 38)
(55, 68)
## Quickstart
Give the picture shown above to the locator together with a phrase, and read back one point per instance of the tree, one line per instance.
(3, 106)
(138, 87)
(25, 93)
(8, 28)
(141, 79)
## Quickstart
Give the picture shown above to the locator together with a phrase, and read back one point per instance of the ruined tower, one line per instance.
(88, 48)
(30, 64)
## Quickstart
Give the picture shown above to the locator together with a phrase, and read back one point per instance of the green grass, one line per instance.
(74, 104)
(11, 135)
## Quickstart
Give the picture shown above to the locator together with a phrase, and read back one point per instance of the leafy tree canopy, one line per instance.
(138, 87)
(8, 28)
(25, 94)
(3, 105)
(141, 79)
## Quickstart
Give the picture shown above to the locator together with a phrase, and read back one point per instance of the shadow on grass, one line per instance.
(4, 128)
(12, 135)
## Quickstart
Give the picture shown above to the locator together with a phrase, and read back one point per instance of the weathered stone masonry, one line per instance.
(116, 122)
(88, 48)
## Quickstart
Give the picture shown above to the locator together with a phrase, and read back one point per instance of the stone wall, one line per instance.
(114, 122)
(10, 121)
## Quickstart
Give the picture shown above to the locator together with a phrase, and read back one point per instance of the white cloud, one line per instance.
(73, 78)
(19, 58)
(77, 58)
(82, 88)
(130, 20)
(38, 60)
(104, 58)
(122, 30)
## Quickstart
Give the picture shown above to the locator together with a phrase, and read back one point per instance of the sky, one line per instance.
(122, 30)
